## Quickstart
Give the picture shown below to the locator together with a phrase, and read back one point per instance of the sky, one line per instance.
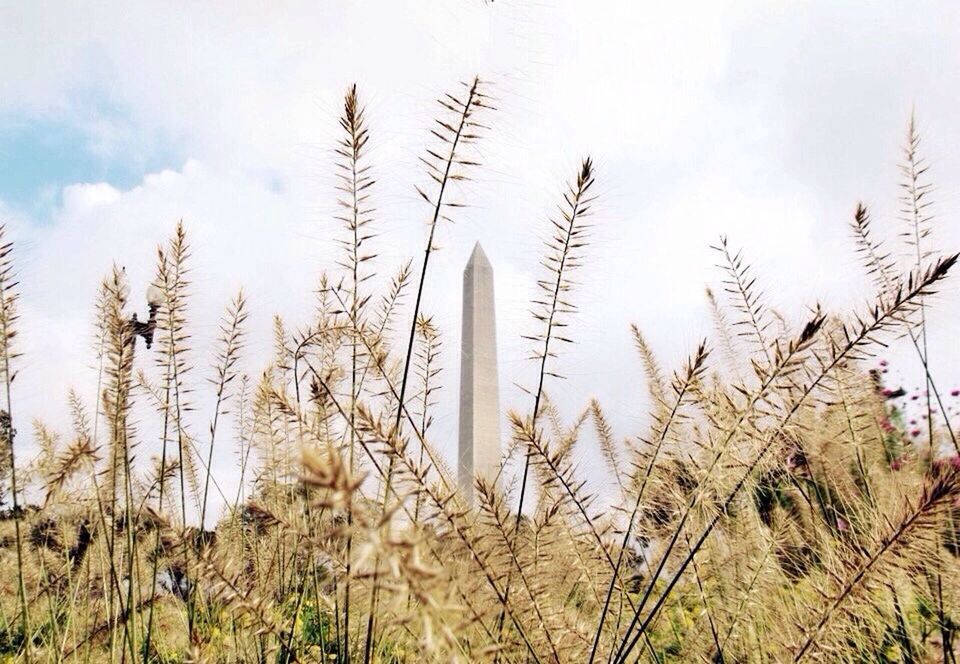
(764, 121)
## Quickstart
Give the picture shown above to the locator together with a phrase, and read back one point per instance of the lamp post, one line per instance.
(146, 328)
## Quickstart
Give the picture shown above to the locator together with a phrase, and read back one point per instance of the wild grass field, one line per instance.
(784, 502)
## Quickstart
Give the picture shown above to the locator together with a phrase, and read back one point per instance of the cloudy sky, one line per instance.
(765, 121)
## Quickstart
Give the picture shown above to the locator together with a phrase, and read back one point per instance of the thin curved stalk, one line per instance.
(8, 316)
(681, 388)
(562, 258)
(884, 317)
(443, 170)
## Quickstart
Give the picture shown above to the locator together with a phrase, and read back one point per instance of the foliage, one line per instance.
(780, 504)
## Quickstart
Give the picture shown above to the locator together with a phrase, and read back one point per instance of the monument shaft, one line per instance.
(479, 452)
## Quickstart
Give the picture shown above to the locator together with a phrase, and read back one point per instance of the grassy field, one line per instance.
(783, 504)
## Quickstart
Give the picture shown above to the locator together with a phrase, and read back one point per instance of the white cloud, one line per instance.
(79, 200)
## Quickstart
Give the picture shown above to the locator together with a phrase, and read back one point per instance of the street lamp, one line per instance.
(145, 329)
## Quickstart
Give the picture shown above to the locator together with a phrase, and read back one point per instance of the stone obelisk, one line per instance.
(479, 452)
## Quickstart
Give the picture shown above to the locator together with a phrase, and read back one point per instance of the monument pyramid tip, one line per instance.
(478, 256)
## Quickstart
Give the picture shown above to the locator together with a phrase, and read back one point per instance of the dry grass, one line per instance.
(775, 508)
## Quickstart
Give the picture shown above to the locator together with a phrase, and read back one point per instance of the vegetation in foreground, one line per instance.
(783, 504)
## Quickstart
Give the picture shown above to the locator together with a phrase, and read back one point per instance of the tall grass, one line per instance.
(777, 505)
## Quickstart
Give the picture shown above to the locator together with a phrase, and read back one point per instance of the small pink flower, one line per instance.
(896, 464)
(915, 433)
(842, 524)
(948, 464)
